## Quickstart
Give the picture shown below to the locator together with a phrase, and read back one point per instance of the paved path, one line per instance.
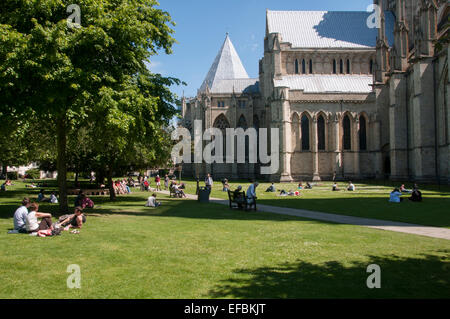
(436, 232)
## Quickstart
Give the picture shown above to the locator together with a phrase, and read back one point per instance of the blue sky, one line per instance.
(202, 25)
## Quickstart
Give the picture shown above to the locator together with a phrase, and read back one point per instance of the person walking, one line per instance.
(209, 182)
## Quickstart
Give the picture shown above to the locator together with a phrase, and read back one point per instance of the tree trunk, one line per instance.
(5, 171)
(62, 164)
(112, 194)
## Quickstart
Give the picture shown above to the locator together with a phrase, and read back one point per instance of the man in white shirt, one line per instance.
(151, 202)
(209, 181)
(20, 216)
(351, 187)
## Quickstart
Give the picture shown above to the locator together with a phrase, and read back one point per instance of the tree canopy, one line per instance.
(91, 77)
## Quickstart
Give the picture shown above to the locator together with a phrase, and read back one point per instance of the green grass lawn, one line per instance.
(189, 250)
(369, 200)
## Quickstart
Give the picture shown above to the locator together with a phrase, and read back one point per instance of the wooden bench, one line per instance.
(91, 192)
(241, 203)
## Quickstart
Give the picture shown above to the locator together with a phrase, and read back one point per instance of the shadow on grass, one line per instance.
(426, 276)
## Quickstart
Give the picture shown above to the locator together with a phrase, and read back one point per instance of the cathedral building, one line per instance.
(354, 95)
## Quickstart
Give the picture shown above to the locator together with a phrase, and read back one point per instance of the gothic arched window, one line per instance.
(296, 66)
(242, 123)
(334, 67)
(341, 66)
(303, 66)
(295, 130)
(222, 124)
(321, 133)
(348, 66)
(305, 133)
(346, 125)
(310, 67)
(371, 66)
(362, 133)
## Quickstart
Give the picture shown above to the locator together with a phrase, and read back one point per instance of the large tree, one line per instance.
(65, 74)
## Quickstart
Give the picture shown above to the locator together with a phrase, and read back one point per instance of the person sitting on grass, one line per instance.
(145, 185)
(395, 196)
(86, 202)
(225, 185)
(20, 216)
(335, 187)
(53, 198)
(9, 183)
(151, 201)
(3, 187)
(76, 220)
(300, 185)
(416, 195)
(42, 198)
(351, 187)
(308, 186)
(33, 226)
(404, 190)
(271, 189)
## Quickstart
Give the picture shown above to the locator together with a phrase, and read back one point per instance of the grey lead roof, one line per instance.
(239, 86)
(327, 83)
(226, 66)
(327, 29)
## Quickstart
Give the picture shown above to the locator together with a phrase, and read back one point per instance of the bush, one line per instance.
(33, 173)
(12, 175)
(70, 175)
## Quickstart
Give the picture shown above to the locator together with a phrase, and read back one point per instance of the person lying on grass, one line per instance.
(151, 201)
(76, 220)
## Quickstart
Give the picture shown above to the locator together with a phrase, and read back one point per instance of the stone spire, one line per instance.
(226, 66)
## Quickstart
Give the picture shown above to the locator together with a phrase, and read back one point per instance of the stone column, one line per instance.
(355, 143)
(337, 150)
(376, 147)
(285, 134)
(315, 150)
